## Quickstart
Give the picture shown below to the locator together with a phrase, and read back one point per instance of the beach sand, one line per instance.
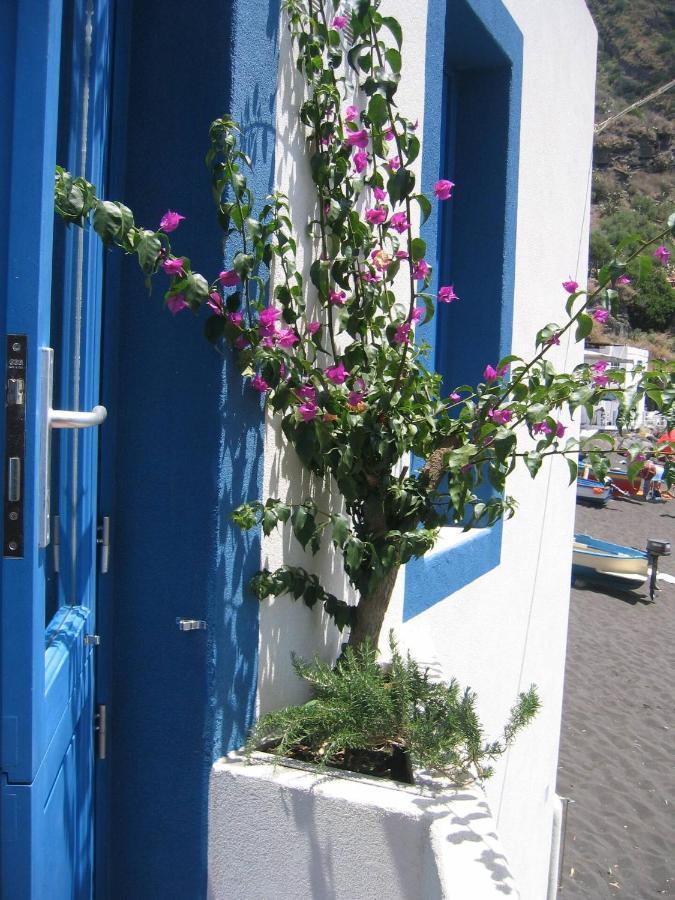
(617, 754)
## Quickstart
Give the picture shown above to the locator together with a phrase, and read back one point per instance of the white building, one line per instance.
(114, 710)
(634, 361)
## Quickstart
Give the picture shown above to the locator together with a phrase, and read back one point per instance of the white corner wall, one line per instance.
(508, 628)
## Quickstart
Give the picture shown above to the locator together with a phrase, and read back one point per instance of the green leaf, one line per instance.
(393, 57)
(394, 27)
(425, 206)
(341, 530)
(584, 327)
(107, 221)
(196, 288)
(533, 462)
(574, 469)
(377, 110)
(354, 550)
(418, 248)
(400, 185)
(148, 248)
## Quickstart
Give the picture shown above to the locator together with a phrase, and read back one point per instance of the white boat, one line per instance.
(600, 559)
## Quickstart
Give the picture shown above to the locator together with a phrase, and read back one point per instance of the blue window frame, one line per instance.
(471, 136)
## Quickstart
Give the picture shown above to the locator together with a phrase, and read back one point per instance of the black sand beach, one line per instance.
(617, 755)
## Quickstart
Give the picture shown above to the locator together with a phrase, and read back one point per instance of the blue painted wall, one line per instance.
(188, 449)
(471, 136)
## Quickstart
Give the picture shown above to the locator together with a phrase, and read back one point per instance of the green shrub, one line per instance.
(359, 705)
(653, 306)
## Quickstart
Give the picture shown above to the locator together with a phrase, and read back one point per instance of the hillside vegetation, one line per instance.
(634, 179)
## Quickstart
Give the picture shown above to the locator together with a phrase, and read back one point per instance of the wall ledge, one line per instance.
(287, 830)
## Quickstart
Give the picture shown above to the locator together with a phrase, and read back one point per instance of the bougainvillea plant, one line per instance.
(335, 356)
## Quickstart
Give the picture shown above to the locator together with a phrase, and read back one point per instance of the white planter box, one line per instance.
(286, 830)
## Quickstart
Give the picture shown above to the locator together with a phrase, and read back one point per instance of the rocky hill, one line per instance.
(634, 175)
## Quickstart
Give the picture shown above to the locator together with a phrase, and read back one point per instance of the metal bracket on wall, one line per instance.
(191, 624)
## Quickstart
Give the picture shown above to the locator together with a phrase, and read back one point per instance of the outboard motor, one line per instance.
(655, 549)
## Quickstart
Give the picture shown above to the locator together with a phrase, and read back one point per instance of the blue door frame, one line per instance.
(47, 683)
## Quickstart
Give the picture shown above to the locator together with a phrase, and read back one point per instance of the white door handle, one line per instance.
(70, 418)
(55, 418)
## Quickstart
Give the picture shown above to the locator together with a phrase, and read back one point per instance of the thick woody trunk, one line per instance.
(371, 611)
(373, 607)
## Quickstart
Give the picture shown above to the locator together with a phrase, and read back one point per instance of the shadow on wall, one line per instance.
(287, 626)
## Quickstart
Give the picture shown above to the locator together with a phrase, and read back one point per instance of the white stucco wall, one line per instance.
(508, 628)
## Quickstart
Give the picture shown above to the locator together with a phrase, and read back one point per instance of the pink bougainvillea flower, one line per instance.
(268, 320)
(600, 381)
(360, 161)
(267, 342)
(215, 302)
(455, 397)
(447, 294)
(286, 337)
(623, 279)
(173, 266)
(402, 335)
(402, 254)
(351, 113)
(541, 428)
(376, 216)
(306, 393)
(354, 398)
(176, 303)
(337, 374)
(389, 134)
(313, 327)
(559, 430)
(500, 416)
(170, 221)
(418, 314)
(379, 194)
(381, 260)
(339, 22)
(443, 189)
(337, 298)
(570, 286)
(600, 315)
(258, 383)
(229, 278)
(662, 255)
(357, 139)
(554, 340)
(369, 278)
(501, 372)
(394, 163)
(489, 373)
(421, 269)
(599, 367)
(241, 342)
(236, 318)
(399, 222)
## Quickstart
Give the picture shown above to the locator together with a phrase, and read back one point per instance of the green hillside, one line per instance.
(634, 177)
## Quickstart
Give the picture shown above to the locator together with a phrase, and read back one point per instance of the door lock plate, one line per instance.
(15, 445)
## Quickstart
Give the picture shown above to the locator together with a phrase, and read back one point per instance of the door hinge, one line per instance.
(103, 539)
(101, 730)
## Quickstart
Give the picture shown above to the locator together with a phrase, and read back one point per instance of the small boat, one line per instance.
(593, 558)
(595, 492)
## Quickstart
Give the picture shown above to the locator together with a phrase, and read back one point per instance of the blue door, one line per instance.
(54, 85)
